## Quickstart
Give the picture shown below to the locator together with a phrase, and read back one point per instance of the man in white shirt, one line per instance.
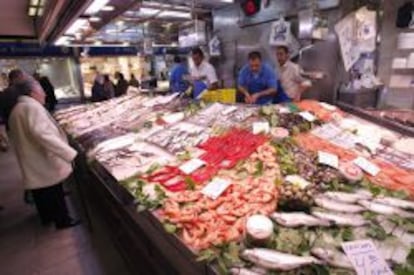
(202, 70)
(290, 75)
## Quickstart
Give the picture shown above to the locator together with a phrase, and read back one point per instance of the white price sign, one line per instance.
(365, 258)
(367, 166)
(261, 127)
(191, 165)
(307, 116)
(173, 118)
(215, 188)
(328, 159)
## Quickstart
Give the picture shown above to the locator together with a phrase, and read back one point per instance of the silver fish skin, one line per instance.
(330, 204)
(247, 271)
(347, 197)
(405, 204)
(341, 218)
(396, 231)
(385, 209)
(274, 260)
(394, 252)
(332, 257)
(296, 219)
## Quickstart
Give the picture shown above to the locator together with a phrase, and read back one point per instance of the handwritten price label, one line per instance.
(328, 159)
(192, 165)
(215, 188)
(365, 258)
(367, 166)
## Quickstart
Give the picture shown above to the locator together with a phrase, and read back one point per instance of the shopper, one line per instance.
(178, 84)
(108, 87)
(121, 86)
(43, 153)
(47, 86)
(98, 93)
(203, 71)
(8, 97)
(258, 82)
(290, 75)
(134, 81)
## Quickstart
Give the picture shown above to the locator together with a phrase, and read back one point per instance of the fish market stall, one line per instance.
(190, 188)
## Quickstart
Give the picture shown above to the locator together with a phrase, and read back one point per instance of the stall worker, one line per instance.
(202, 73)
(121, 85)
(290, 75)
(258, 82)
(178, 84)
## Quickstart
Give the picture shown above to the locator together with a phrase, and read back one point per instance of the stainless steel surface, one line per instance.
(306, 24)
(323, 56)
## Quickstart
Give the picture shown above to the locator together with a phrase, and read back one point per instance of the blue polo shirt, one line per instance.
(177, 82)
(258, 82)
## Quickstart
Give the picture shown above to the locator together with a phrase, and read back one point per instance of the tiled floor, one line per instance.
(27, 248)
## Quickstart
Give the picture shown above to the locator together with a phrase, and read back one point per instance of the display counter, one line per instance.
(181, 184)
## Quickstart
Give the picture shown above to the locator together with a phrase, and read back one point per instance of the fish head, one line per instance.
(322, 253)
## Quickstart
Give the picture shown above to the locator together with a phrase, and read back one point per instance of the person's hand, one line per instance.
(254, 98)
(248, 99)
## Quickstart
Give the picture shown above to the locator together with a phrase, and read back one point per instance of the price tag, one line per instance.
(297, 180)
(327, 106)
(173, 118)
(372, 143)
(367, 166)
(284, 110)
(307, 116)
(365, 258)
(191, 165)
(328, 159)
(215, 188)
(229, 110)
(261, 127)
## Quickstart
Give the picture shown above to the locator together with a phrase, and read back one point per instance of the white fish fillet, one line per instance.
(341, 218)
(385, 209)
(271, 259)
(333, 257)
(395, 202)
(347, 197)
(329, 204)
(296, 219)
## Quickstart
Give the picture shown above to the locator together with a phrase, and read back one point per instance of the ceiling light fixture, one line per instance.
(164, 13)
(77, 26)
(94, 19)
(108, 8)
(36, 8)
(96, 6)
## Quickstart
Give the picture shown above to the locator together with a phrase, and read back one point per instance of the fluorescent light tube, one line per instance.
(96, 6)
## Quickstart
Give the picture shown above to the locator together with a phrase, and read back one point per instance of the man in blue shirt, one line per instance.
(177, 81)
(258, 82)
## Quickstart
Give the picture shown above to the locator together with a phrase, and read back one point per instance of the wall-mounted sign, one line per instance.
(33, 49)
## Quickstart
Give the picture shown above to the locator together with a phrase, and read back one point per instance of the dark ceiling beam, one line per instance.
(71, 11)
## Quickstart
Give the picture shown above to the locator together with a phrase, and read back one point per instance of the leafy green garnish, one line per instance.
(347, 234)
(377, 232)
(207, 255)
(190, 183)
(153, 168)
(170, 228)
(259, 168)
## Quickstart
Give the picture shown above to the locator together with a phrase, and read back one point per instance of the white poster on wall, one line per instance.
(345, 30)
(280, 33)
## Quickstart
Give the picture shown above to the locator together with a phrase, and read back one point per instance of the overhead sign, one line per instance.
(33, 49)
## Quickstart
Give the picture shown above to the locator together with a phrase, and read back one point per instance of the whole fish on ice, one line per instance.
(405, 204)
(385, 209)
(333, 257)
(347, 197)
(296, 219)
(395, 230)
(330, 204)
(247, 271)
(274, 260)
(341, 218)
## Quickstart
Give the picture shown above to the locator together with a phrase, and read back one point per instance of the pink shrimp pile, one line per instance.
(203, 222)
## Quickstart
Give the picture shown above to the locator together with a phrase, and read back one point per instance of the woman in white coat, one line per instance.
(43, 153)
